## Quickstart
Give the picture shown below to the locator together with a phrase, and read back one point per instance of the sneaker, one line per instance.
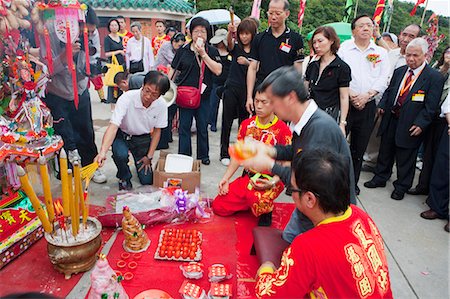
(74, 156)
(125, 185)
(99, 177)
(225, 161)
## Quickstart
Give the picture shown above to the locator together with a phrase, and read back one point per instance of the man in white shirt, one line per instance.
(370, 68)
(135, 126)
(139, 56)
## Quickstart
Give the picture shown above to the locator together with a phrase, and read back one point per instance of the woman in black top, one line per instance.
(113, 46)
(187, 62)
(329, 77)
(235, 94)
(220, 42)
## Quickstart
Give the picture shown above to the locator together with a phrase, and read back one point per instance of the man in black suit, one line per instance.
(408, 107)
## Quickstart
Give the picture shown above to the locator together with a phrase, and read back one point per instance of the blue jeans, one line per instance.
(184, 131)
(74, 125)
(166, 133)
(214, 109)
(138, 146)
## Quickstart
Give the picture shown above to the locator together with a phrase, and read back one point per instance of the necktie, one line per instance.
(405, 89)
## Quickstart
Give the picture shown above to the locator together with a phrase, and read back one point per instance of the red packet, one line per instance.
(192, 270)
(192, 291)
(218, 272)
(220, 290)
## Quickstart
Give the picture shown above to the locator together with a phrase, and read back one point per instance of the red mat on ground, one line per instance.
(225, 240)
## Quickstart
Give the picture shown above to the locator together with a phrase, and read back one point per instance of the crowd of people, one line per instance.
(369, 102)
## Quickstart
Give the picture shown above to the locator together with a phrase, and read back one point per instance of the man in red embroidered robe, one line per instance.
(343, 255)
(253, 190)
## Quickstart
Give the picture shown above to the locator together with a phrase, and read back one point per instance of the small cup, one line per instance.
(121, 264)
(125, 255)
(137, 256)
(132, 265)
(128, 276)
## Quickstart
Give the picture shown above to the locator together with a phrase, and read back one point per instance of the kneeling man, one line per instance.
(343, 255)
(254, 190)
(135, 126)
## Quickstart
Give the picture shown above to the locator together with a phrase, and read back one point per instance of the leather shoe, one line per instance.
(446, 228)
(397, 195)
(206, 162)
(373, 184)
(430, 215)
(417, 191)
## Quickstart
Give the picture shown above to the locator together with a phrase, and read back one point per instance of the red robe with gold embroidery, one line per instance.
(240, 197)
(343, 257)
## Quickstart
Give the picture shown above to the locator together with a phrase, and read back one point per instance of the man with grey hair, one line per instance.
(139, 54)
(407, 107)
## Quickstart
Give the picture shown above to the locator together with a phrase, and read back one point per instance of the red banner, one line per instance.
(378, 12)
(301, 13)
(413, 11)
(11, 220)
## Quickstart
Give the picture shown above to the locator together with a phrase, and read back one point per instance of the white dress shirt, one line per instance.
(134, 119)
(366, 75)
(416, 73)
(397, 59)
(298, 127)
(134, 53)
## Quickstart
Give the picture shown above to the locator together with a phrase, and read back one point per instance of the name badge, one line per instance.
(285, 47)
(418, 97)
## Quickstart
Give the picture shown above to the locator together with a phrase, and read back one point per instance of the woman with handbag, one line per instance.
(114, 48)
(139, 54)
(195, 64)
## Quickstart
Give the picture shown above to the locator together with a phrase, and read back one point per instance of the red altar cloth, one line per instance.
(225, 240)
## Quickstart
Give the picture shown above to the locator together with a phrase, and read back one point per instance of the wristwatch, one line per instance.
(150, 158)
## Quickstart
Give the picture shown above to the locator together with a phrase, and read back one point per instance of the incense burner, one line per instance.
(71, 255)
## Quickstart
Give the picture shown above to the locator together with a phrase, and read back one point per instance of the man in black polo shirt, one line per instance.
(273, 48)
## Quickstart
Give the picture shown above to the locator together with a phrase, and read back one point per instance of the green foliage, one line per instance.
(319, 12)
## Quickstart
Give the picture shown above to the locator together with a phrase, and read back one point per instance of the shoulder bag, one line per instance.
(188, 96)
(113, 68)
(138, 66)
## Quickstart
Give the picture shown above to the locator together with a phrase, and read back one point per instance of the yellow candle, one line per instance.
(46, 186)
(64, 182)
(85, 206)
(71, 201)
(29, 191)
(78, 192)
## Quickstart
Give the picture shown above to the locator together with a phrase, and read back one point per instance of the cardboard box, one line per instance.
(188, 181)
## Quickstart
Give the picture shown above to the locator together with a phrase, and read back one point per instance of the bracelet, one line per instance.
(343, 122)
(150, 158)
(265, 270)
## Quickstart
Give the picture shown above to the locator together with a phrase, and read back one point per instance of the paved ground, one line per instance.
(417, 249)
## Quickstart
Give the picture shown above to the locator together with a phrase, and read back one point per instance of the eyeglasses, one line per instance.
(290, 190)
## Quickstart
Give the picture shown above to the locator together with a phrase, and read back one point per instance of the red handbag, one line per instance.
(188, 96)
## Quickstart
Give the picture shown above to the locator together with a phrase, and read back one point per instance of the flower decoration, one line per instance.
(373, 58)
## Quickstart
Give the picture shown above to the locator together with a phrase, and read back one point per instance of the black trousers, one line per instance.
(438, 198)
(405, 159)
(74, 125)
(234, 99)
(360, 126)
(431, 144)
